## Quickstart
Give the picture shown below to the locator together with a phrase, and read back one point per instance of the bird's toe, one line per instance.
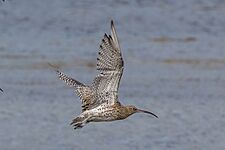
(77, 125)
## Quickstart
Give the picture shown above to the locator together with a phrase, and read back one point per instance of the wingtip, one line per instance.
(112, 22)
(56, 68)
(1, 90)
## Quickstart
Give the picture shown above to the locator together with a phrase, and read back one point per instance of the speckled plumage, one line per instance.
(100, 99)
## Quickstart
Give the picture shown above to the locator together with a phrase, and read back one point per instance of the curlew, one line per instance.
(100, 99)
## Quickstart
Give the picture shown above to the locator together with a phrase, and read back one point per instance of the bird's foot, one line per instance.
(79, 122)
(77, 125)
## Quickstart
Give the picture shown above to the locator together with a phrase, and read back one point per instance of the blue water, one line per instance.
(174, 53)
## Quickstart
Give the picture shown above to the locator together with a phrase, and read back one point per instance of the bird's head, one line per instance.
(132, 109)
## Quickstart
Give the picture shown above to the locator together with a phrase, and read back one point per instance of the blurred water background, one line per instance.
(174, 54)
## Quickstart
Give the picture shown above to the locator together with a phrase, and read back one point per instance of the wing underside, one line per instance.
(110, 64)
(104, 88)
(84, 92)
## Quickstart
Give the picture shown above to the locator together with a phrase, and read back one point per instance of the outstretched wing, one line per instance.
(84, 92)
(110, 64)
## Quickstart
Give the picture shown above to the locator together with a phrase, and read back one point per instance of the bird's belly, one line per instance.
(104, 114)
(101, 119)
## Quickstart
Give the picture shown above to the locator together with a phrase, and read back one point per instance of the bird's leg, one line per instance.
(79, 122)
(78, 125)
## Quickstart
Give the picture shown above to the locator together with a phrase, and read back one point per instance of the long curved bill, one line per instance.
(148, 112)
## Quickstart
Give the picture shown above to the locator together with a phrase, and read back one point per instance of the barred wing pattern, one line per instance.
(84, 92)
(110, 64)
(104, 88)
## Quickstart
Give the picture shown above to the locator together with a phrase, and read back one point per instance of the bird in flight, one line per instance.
(100, 99)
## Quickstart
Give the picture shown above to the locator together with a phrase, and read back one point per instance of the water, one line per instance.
(174, 66)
